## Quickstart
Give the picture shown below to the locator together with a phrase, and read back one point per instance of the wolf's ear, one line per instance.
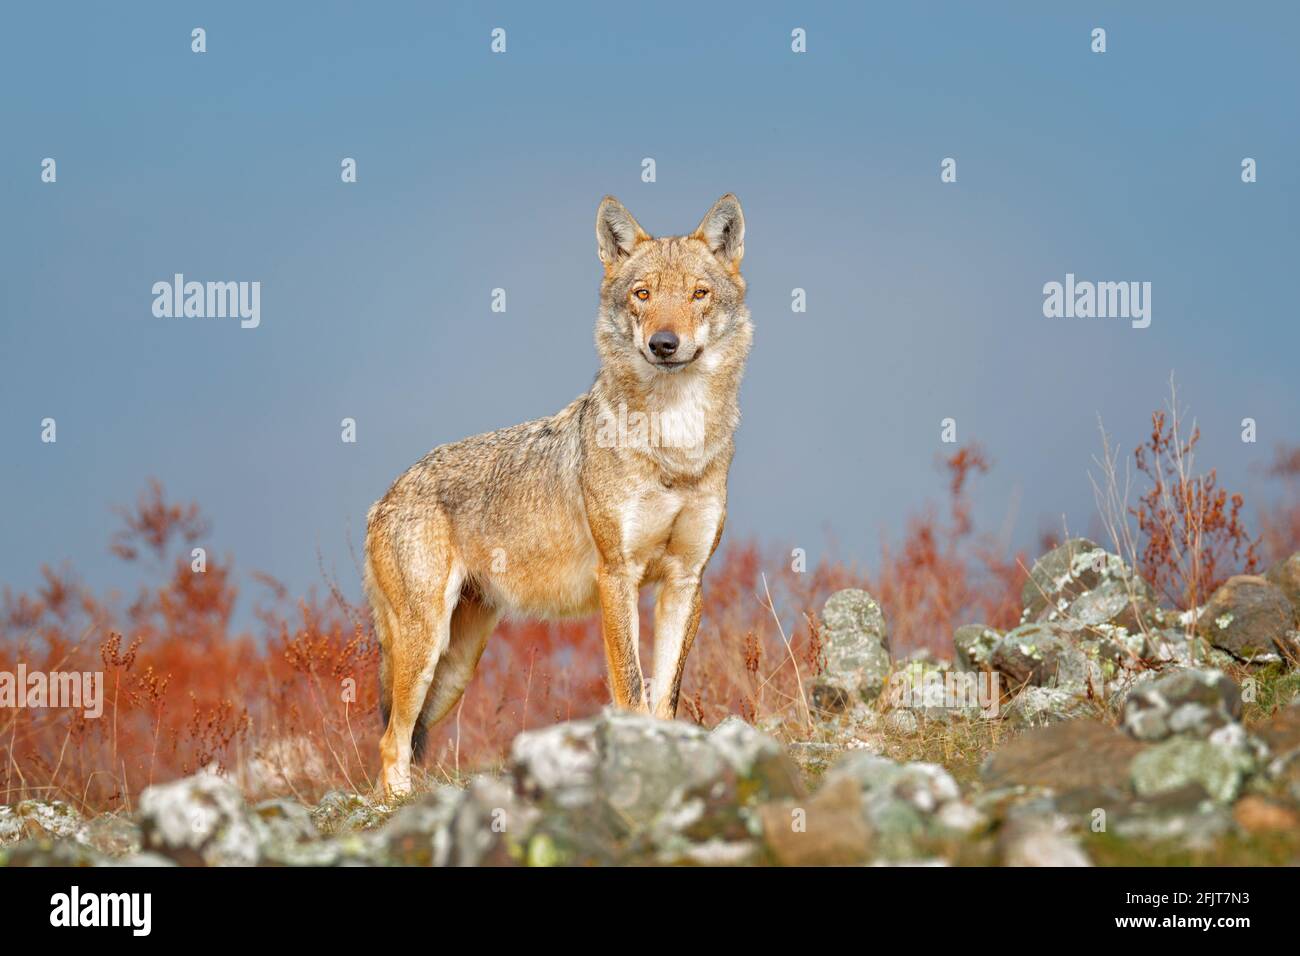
(723, 230)
(616, 231)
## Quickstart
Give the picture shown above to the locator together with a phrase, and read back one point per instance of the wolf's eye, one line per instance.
(642, 294)
(701, 293)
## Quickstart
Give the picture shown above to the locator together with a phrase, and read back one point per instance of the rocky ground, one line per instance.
(1098, 731)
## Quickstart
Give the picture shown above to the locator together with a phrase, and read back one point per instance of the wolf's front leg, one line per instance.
(677, 618)
(619, 619)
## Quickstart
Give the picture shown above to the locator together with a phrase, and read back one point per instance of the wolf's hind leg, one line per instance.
(421, 581)
(471, 625)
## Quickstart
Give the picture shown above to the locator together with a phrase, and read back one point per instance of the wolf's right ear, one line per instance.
(617, 233)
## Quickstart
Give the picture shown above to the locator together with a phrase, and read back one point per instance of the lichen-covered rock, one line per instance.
(1041, 654)
(47, 851)
(827, 829)
(11, 828)
(814, 757)
(199, 820)
(621, 783)
(283, 827)
(909, 808)
(341, 811)
(1281, 735)
(1180, 761)
(1039, 706)
(1065, 756)
(1040, 840)
(1080, 584)
(1184, 815)
(856, 651)
(754, 755)
(38, 819)
(113, 835)
(1285, 575)
(485, 824)
(933, 691)
(1249, 618)
(902, 723)
(139, 859)
(973, 645)
(1195, 701)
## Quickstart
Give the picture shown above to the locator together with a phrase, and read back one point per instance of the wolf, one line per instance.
(563, 516)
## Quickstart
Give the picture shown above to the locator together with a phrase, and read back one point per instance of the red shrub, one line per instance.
(1191, 530)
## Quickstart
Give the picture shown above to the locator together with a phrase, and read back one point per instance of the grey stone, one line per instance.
(1188, 700)
(973, 645)
(1044, 655)
(1179, 761)
(856, 650)
(199, 820)
(1248, 617)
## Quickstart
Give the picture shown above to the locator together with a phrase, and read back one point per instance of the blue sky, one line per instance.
(479, 171)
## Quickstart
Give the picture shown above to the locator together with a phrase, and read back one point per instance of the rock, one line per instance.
(1174, 647)
(199, 820)
(1249, 618)
(910, 809)
(483, 825)
(856, 651)
(851, 612)
(934, 691)
(11, 828)
(283, 828)
(341, 811)
(867, 769)
(112, 835)
(1081, 584)
(1197, 701)
(1282, 734)
(829, 830)
(1179, 761)
(828, 697)
(1041, 654)
(38, 819)
(1040, 841)
(1040, 706)
(814, 756)
(1285, 575)
(45, 851)
(1185, 815)
(140, 859)
(973, 645)
(1063, 757)
(624, 784)
(755, 756)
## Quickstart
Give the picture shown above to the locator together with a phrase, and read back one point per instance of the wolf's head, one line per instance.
(676, 304)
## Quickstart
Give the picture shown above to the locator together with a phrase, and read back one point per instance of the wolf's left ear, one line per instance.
(617, 233)
(723, 230)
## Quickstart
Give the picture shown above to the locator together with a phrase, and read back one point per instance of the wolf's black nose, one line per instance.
(663, 344)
